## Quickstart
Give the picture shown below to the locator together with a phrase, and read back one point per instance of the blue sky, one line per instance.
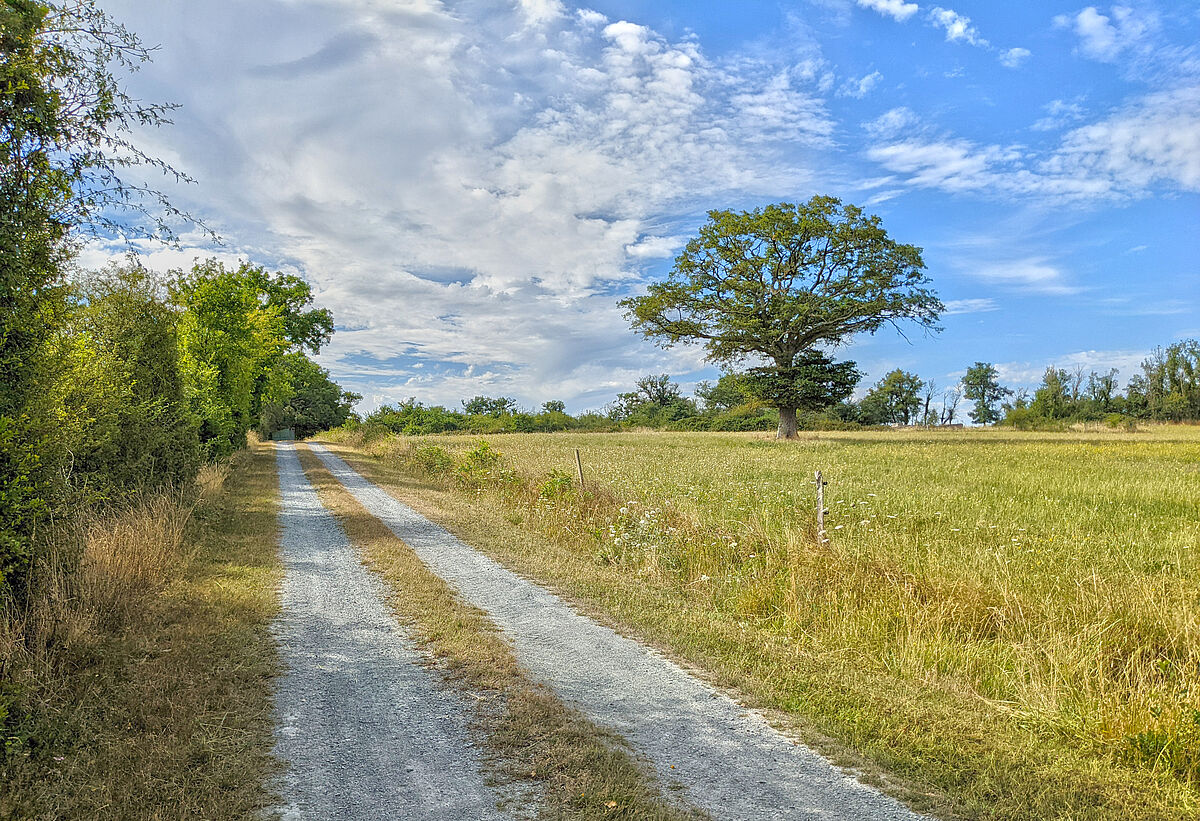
(470, 186)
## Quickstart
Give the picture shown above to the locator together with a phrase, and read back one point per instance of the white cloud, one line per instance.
(813, 71)
(1059, 114)
(1105, 38)
(473, 187)
(861, 87)
(1014, 57)
(1153, 141)
(591, 18)
(949, 164)
(882, 197)
(769, 104)
(1036, 275)
(1029, 374)
(192, 248)
(957, 27)
(892, 123)
(654, 247)
(898, 10)
(970, 306)
(541, 12)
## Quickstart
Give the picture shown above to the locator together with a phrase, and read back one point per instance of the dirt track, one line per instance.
(722, 758)
(363, 727)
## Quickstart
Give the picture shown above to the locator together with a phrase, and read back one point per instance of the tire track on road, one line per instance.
(364, 727)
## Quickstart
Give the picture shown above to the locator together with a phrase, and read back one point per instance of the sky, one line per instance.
(471, 186)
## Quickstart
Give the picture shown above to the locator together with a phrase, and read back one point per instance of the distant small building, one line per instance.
(285, 435)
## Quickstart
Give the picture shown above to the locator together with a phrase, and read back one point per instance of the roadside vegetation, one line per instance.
(133, 597)
(136, 679)
(1008, 620)
(580, 771)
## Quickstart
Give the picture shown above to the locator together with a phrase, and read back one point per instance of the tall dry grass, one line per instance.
(96, 571)
(136, 681)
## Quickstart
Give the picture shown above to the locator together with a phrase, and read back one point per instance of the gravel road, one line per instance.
(727, 760)
(365, 730)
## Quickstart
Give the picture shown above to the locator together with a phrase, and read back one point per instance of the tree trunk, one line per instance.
(787, 424)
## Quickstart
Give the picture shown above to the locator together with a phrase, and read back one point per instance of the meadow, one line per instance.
(996, 624)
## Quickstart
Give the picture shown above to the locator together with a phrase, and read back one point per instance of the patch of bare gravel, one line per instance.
(365, 729)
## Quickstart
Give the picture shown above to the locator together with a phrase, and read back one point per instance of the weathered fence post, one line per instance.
(579, 467)
(820, 507)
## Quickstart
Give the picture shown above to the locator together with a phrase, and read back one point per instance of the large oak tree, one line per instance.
(779, 285)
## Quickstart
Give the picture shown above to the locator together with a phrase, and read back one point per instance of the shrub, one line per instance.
(745, 418)
(556, 485)
(432, 459)
(481, 466)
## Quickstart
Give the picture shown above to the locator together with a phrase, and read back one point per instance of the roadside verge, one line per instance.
(159, 708)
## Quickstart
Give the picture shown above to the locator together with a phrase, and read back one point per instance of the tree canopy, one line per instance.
(654, 400)
(894, 400)
(494, 406)
(981, 385)
(303, 397)
(65, 125)
(783, 281)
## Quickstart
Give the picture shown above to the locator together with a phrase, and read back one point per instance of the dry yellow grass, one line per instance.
(136, 685)
(1010, 619)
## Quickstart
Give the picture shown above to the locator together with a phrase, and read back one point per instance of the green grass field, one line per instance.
(1009, 620)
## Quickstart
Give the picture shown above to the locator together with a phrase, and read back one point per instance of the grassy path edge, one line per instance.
(481, 527)
(169, 717)
(960, 773)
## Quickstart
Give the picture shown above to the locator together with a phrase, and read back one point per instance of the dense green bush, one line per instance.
(432, 459)
(118, 381)
(747, 418)
(302, 397)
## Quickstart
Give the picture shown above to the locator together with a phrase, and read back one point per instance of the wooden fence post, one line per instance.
(579, 467)
(820, 507)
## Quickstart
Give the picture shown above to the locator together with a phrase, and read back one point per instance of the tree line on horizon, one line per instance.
(1166, 390)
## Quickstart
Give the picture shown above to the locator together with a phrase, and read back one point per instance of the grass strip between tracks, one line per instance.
(532, 737)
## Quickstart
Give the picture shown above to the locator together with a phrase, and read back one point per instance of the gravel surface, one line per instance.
(727, 760)
(364, 728)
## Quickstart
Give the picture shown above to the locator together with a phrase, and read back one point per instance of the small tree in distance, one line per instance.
(654, 399)
(782, 284)
(895, 399)
(982, 387)
(489, 406)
